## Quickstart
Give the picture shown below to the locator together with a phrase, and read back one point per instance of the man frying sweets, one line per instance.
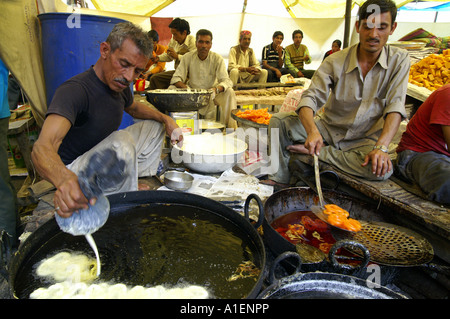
(82, 122)
(362, 90)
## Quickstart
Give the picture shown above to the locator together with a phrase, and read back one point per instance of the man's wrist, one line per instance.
(382, 148)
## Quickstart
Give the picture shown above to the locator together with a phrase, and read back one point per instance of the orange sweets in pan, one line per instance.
(260, 116)
(338, 217)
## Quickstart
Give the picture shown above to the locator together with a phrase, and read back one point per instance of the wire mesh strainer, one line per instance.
(390, 244)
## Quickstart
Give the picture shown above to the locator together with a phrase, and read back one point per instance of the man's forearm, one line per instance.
(144, 112)
(306, 115)
(390, 128)
(48, 164)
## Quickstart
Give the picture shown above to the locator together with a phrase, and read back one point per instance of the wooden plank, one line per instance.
(419, 93)
(431, 215)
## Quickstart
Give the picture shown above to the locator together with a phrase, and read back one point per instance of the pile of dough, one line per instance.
(66, 266)
(68, 290)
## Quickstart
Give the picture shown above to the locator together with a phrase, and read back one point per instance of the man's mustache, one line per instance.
(122, 81)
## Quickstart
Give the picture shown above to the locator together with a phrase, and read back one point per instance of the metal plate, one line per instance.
(179, 100)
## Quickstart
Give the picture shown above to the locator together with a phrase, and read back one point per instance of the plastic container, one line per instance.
(71, 45)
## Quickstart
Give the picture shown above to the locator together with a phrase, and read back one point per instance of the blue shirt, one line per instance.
(4, 105)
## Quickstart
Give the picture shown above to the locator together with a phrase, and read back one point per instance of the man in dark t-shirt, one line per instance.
(85, 113)
(73, 99)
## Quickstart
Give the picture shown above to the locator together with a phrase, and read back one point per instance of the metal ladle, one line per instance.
(318, 210)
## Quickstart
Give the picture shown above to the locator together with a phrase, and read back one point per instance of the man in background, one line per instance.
(181, 43)
(243, 66)
(152, 68)
(297, 55)
(273, 58)
(204, 69)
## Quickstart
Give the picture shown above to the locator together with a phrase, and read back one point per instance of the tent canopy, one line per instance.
(296, 8)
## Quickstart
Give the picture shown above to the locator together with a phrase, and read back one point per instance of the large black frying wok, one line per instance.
(111, 238)
(300, 199)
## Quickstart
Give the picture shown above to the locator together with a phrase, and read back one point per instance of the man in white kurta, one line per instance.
(203, 69)
(243, 66)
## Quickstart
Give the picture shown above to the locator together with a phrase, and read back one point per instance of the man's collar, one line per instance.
(382, 59)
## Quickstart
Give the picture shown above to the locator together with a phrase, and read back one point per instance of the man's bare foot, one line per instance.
(297, 148)
(143, 187)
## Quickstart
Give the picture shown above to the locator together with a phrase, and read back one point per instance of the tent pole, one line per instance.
(348, 17)
(244, 7)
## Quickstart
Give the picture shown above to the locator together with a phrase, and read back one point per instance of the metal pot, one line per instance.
(320, 285)
(209, 153)
(120, 242)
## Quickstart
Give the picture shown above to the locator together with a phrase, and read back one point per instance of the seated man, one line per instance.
(423, 154)
(297, 55)
(273, 58)
(361, 91)
(83, 118)
(243, 66)
(181, 43)
(152, 68)
(204, 69)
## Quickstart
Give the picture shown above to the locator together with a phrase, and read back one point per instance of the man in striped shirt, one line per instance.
(273, 58)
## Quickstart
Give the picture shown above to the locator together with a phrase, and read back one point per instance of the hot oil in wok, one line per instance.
(162, 244)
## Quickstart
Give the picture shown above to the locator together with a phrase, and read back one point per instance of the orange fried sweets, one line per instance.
(260, 116)
(338, 217)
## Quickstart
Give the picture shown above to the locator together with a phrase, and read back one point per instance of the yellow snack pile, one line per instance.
(431, 72)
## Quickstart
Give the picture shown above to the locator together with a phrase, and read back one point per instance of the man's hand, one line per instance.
(314, 142)
(279, 50)
(174, 131)
(252, 70)
(381, 162)
(172, 53)
(278, 73)
(300, 74)
(69, 197)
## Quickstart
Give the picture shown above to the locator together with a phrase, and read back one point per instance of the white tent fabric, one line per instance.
(20, 45)
(20, 51)
(296, 8)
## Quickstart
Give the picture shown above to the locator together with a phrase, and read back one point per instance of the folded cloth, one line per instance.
(104, 169)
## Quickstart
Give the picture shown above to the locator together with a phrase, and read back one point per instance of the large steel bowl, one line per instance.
(209, 153)
(179, 100)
